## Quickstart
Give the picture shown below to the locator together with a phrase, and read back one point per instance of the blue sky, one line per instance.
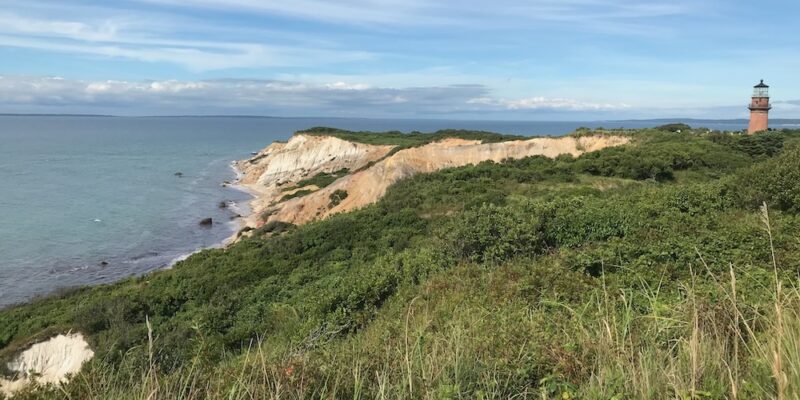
(504, 59)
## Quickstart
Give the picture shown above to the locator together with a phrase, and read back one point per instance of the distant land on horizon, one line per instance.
(659, 120)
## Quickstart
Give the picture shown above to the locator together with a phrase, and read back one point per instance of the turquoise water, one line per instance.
(79, 191)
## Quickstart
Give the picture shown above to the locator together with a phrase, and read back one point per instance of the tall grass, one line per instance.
(725, 349)
(467, 333)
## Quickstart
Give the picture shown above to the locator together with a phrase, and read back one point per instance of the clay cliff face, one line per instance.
(275, 171)
(282, 165)
(52, 361)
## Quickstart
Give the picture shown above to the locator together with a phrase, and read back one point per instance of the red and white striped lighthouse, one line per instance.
(759, 109)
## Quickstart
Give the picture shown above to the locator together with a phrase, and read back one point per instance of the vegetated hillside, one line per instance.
(413, 139)
(645, 271)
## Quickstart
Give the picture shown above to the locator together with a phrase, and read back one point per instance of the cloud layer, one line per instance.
(207, 35)
(264, 97)
(566, 59)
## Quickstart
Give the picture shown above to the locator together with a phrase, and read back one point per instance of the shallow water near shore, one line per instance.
(89, 200)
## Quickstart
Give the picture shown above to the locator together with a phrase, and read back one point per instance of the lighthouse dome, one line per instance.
(761, 90)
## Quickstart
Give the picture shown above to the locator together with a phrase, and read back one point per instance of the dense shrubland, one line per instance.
(650, 270)
(404, 140)
(320, 180)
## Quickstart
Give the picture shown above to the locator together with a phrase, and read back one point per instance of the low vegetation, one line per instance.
(320, 180)
(413, 139)
(296, 193)
(336, 197)
(665, 268)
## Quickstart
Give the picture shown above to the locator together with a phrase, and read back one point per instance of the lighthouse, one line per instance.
(759, 109)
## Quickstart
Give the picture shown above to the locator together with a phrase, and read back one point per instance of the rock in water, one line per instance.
(206, 222)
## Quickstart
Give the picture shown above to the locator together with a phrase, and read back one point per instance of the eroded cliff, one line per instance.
(48, 362)
(281, 169)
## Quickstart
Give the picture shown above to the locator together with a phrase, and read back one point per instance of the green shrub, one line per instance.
(767, 144)
(320, 180)
(403, 140)
(296, 193)
(676, 127)
(660, 156)
(776, 182)
(492, 234)
(337, 197)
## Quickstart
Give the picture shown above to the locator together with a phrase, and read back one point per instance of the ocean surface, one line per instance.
(89, 200)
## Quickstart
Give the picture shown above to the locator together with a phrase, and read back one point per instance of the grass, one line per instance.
(440, 349)
(320, 180)
(296, 193)
(413, 139)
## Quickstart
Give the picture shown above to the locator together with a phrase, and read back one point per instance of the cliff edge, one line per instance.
(285, 177)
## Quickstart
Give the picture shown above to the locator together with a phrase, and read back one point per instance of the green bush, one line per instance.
(296, 193)
(661, 157)
(320, 180)
(776, 182)
(400, 139)
(676, 127)
(492, 234)
(337, 197)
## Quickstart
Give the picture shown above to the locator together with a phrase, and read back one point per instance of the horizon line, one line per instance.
(661, 119)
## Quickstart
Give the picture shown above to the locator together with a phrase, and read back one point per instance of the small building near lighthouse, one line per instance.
(759, 109)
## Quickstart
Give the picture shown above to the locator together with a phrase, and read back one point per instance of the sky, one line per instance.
(450, 59)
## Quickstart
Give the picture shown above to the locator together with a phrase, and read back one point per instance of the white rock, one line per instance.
(49, 361)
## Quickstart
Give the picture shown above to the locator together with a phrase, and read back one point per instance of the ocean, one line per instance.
(91, 200)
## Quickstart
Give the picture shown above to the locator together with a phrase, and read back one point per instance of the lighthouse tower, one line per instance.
(759, 109)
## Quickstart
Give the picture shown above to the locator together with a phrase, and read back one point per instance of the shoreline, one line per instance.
(242, 208)
(241, 220)
(236, 224)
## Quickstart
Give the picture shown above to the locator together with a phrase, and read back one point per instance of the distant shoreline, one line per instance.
(778, 121)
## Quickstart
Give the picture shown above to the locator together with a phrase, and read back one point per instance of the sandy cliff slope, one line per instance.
(280, 166)
(51, 361)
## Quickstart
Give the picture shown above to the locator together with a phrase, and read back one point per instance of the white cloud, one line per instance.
(159, 34)
(473, 13)
(151, 40)
(346, 86)
(545, 103)
(31, 94)
(16, 24)
(40, 94)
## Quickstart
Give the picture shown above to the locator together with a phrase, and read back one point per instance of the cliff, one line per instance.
(277, 173)
(50, 361)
